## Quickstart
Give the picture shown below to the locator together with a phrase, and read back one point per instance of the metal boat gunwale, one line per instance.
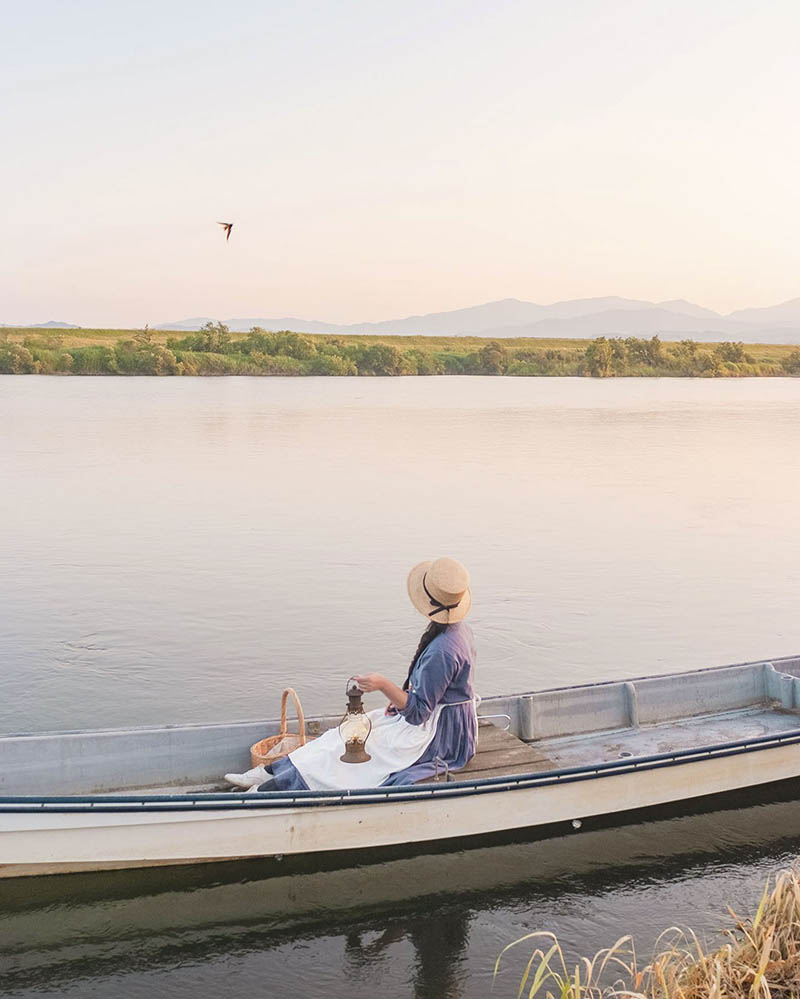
(104, 803)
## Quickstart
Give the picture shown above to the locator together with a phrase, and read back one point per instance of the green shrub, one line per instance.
(94, 360)
(280, 364)
(143, 357)
(16, 359)
(52, 362)
(453, 364)
(294, 345)
(332, 364)
(204, 363)
(732, 352)
(379, 359)
(791, 364)
(212, 338)
(599, 358)
(492, 359)
(424, 363)
(257, 342)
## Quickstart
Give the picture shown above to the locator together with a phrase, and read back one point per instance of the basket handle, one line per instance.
(301, 719)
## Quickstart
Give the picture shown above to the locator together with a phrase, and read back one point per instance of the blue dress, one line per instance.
(442, 675)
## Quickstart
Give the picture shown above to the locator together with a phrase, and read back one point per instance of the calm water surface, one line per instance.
(178, 550)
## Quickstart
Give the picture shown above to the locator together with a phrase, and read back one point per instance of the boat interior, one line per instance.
(518, 734)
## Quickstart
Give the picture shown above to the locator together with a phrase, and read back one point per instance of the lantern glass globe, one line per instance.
(355, 728)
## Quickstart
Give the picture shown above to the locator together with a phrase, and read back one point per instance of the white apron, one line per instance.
(393, 745)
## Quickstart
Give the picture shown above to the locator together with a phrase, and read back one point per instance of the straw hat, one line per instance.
(440, 590)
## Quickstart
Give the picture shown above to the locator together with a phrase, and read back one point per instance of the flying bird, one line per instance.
(227, 226)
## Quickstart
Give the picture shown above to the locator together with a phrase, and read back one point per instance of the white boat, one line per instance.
(573, 758)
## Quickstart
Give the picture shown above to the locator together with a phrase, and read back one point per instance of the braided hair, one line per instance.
(428, 635)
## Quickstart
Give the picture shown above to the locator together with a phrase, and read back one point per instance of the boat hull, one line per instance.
(56, 840)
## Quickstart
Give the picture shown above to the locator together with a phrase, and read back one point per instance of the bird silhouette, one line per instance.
(227, 226)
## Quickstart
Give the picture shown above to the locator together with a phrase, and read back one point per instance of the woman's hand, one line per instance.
(371, 681)
(375, 681)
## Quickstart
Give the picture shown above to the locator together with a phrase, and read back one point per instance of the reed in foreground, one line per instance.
(760, 960)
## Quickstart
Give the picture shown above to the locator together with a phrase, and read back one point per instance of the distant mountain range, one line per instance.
(52, 325)
(579, 318)
(676, 319)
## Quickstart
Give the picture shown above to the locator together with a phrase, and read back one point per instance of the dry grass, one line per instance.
(760, 960)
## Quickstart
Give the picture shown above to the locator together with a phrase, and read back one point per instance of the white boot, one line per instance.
(268, 785)
(251, 778)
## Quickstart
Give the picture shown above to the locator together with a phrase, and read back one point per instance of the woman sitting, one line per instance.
(430, 724)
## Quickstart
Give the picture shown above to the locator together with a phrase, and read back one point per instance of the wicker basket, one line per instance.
(275, 746)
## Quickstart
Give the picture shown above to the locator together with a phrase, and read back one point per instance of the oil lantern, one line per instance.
(355, 726)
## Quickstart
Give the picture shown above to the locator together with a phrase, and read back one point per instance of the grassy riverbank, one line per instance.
(214, 350)
(760, 960)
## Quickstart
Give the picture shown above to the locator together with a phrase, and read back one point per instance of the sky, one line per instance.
(382, 158)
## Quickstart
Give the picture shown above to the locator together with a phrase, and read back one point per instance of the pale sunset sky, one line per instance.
(383, 158)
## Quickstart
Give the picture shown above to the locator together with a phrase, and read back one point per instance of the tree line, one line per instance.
(214, 350)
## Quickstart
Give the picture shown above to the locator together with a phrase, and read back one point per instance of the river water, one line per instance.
(179, 550)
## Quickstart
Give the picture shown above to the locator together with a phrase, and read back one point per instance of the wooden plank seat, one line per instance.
(499, 754)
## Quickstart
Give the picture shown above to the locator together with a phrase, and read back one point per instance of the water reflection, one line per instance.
(439, 943)
(426, 926)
